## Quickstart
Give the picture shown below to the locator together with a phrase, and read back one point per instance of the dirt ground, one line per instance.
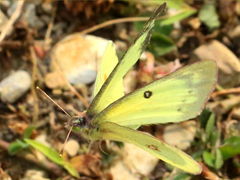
(34, 35)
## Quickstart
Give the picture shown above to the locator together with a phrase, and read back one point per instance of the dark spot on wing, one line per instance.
(190, 91)
(184, 100)
(147, 94)
(153, 147)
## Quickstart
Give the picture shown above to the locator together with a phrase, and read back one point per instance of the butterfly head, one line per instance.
(79, 121)
(88, 129)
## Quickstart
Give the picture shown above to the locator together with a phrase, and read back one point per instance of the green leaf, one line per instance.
(209, 16)
(231, 147)
(16, 146)
(215, 136)
(210, 126)
(182, 176)
(161, 44)
(219, 159)
(208, 158)
(28, 132)
(53, 156)
(204, 117)
(184, 13)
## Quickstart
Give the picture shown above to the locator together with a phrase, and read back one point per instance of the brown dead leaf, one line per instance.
(88, 164)
(4, 175)
(89, 8)
(195, 23)
(17, 126)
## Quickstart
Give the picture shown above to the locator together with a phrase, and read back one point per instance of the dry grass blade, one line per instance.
(12, 20)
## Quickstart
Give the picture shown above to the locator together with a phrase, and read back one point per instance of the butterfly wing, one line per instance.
(174, 98)
(154, 146)
(108, 62)
(104, 96)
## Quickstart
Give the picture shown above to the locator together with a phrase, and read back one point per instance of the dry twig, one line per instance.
(114, 21)
(207, 174)
(47, 39)
(34, 78)
(12, 20)
(226, 92)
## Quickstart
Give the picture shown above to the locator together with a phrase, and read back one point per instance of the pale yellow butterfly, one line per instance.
(174, 98)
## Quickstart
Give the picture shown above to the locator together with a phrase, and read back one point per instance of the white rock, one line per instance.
(228, 63)
(135, 163)
(120, 172)
(138, 160)
(14, 86)
(77, 56)
(71, 147)
(180, 135)
(225, 58)
(34, 174)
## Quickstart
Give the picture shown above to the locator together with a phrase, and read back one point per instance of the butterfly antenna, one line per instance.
(70, 117)
(54, 102)
(69, 132)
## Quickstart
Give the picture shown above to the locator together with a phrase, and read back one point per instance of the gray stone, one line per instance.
(14, 86)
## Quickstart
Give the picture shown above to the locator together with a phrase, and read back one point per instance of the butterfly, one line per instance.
(174, 98)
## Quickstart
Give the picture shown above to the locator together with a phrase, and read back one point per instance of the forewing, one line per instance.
(103, 98)
(107, 64)
(150, 144)
(176, 97)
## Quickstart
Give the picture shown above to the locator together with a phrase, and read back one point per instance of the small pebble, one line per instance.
(119, 171)
(34, 174)
(31, 17)
(133, 154)
(14, 86)
(180, 135)
(71, 147)
(129, 167)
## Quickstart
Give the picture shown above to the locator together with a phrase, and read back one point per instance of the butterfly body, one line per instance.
(177, 97)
